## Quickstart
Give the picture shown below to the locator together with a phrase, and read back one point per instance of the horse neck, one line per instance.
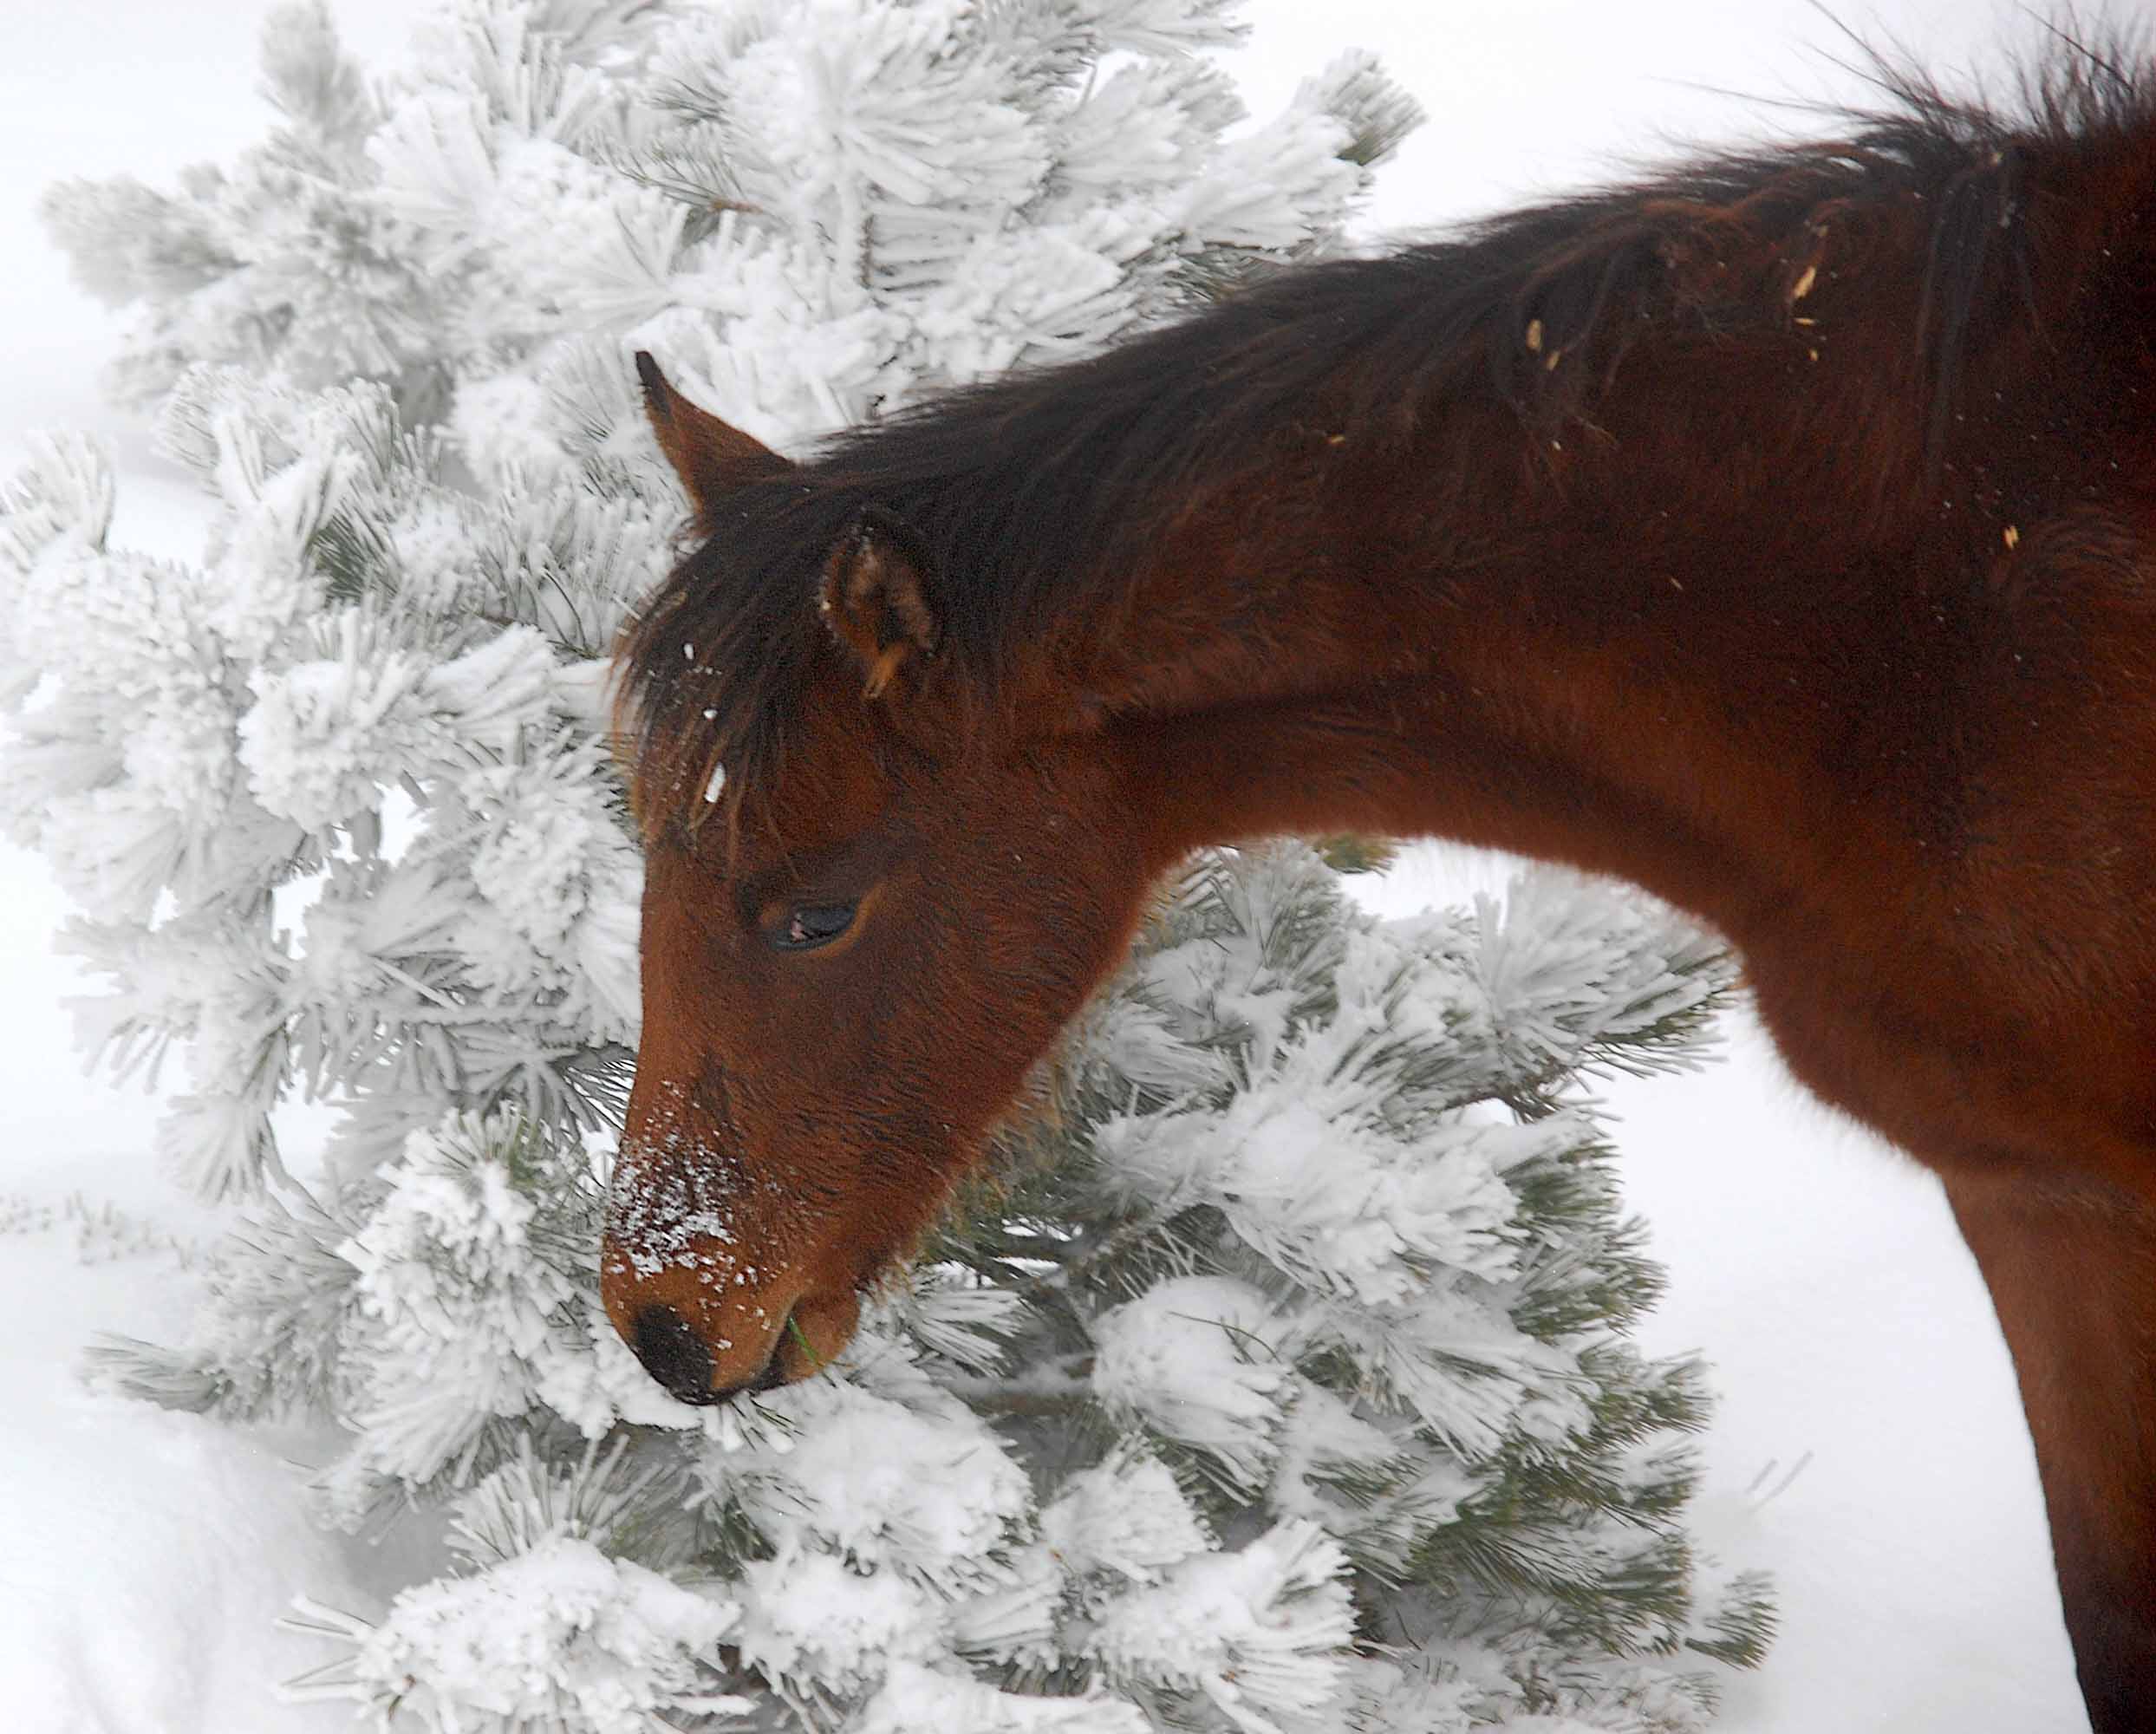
(1714, 713)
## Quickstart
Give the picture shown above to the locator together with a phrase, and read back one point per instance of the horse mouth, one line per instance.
(775, 1373)
(674, 1355)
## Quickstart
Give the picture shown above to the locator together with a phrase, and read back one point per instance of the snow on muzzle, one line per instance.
(701, 1272)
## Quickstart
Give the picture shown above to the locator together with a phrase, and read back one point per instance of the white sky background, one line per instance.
(1818, 1272)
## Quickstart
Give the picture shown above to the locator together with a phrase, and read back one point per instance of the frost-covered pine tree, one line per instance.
(1279, 1382)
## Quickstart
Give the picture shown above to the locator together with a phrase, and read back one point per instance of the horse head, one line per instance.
(871, 902)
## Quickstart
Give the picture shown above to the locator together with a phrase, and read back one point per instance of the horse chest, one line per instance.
(1943, 1044)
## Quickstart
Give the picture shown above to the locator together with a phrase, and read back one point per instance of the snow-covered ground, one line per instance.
(143, 1554)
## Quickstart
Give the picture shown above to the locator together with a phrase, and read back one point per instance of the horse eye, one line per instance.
(809, 925)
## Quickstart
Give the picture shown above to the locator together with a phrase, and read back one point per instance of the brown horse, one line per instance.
(1780, 536)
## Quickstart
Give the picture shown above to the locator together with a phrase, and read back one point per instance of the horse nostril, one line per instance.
(674, 1354)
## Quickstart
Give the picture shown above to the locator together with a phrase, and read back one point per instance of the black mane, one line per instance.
(1032, 496)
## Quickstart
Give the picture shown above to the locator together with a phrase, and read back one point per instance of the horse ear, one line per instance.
(711, 458)
(876, 600)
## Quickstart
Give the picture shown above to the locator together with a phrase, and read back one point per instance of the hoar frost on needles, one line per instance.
(215, 770)
(1278, 1385)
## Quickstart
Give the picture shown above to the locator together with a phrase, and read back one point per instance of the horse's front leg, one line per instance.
(2072, 1269)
